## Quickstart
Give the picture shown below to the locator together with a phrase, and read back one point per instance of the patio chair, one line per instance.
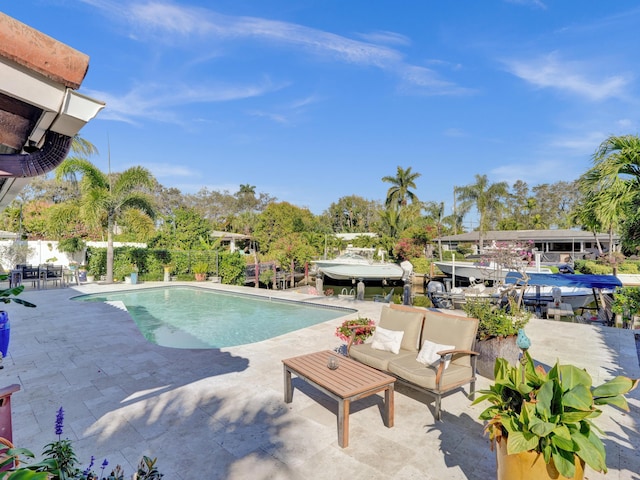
(31, 274)
(53, 274)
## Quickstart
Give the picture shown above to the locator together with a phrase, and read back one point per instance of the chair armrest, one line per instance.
(442, 353)
(5, 391)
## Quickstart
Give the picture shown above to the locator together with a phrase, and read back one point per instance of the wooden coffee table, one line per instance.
(350, 381)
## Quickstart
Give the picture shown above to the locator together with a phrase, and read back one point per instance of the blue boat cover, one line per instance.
(567, 280)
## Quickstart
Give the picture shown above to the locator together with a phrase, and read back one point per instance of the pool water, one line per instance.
(191, 317)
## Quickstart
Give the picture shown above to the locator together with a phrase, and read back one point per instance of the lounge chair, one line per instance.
(384, 298)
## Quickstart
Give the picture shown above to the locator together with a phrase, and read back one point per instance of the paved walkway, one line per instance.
(220, 414)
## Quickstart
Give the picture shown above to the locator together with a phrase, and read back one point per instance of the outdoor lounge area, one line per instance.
(221, 413)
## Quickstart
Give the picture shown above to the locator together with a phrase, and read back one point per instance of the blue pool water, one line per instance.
(191, 317)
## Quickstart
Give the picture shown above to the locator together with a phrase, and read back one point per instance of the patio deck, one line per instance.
(220, 414)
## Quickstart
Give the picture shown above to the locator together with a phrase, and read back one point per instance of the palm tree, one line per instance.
(82, 147)
(611, 185)
(486, 197)
(399, 193)
(104, 197)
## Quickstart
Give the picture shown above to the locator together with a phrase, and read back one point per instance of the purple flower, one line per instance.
(104, 465)
(59, 422)
(88, 470)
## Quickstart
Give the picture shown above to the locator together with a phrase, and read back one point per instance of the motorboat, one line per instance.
(374, 271)
(536, 289)
(577, 290)
(353, 266)
(348, 258)
(484, 271)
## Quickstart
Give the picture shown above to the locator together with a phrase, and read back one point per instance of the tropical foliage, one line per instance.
(82, 203)
(103, 198)
(494, 320)
(550, 412)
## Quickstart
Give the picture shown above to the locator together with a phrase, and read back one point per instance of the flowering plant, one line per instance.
(361, 328)
(60, 463)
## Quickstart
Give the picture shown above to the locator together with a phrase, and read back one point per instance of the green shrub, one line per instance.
(592, 267)
(422, 302)
(494, 320)
(629, 267)
(231, 268)
(420, 265)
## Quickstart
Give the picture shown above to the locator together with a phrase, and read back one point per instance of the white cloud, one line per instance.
(388, 38)
(550, 71)
(157, 101)
(165, 170)
(533, 172)
(533, 3)
(168, 22)
(585, 143)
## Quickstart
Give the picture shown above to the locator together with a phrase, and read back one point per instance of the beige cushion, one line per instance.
(451, 330)
(428, 354)
(379, 359)
(409, 322)
(387, 340)
(408, 368)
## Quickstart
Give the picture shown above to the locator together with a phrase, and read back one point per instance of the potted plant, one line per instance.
(498, 327)
(200, 270)
(626, 305)
(541, 422)
(8, 295)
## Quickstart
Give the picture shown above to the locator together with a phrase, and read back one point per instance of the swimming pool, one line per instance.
(192, 317)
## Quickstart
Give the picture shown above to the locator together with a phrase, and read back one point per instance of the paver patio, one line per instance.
(220, 413)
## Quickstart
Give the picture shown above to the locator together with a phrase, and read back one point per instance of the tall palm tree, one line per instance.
(487, 198)
(399, 193)
(104, 197)
(611, 185)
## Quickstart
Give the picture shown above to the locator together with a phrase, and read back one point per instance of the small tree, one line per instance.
(16, 253)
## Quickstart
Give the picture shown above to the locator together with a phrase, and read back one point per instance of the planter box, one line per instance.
(493, 348)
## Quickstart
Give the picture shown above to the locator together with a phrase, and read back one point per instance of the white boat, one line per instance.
(484, 271)
(369, 271)
(348, 258)
(577, 290)
(353, 266)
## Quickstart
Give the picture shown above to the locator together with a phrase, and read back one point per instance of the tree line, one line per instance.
(78, 201)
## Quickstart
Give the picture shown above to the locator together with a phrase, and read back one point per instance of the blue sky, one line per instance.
(313, 100)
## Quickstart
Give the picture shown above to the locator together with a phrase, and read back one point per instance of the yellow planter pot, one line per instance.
(529, 466)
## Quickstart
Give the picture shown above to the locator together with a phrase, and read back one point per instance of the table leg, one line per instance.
(343, 422)
(288, 388)
(388, 406)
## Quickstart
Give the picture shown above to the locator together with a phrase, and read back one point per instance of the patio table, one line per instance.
(350, 381)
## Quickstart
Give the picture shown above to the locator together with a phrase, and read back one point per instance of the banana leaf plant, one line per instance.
(551, 412)
(9, 295)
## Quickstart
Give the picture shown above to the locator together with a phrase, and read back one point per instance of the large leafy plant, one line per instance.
(551, 412)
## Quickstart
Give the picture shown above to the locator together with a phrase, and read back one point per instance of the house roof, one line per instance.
(526, 235)
(40, 109)
(229, 236)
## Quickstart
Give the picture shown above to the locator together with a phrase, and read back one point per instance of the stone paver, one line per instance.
(220, 414)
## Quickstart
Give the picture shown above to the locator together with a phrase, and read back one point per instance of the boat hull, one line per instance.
(482, 273)
(384, 271)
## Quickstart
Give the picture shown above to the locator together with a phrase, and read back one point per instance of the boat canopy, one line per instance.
(609, 282)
